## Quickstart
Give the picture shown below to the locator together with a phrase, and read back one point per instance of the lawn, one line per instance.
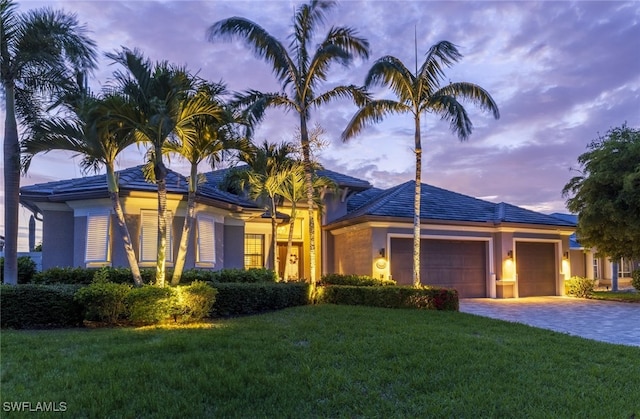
(624, 296)
(323, 361)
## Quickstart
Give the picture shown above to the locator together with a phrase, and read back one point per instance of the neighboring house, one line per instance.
(585, 262)
(483, 249)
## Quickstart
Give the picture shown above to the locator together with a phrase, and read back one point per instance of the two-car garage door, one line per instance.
(455, 264)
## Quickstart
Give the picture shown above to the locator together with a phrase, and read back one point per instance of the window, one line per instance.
(149, 236)
(97, 248)
(253, 251)
(206, 252)
(596, 268)
(625, 268)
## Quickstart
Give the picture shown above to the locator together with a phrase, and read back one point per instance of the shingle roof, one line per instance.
(441, 204)
(572, 218)
(343, 180)
(130, 179)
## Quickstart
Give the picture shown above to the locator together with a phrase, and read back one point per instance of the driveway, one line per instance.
(606, 321)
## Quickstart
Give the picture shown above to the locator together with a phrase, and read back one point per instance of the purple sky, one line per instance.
(561, 73)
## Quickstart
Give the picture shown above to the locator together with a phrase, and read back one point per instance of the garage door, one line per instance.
(447, 263)
(536, 269)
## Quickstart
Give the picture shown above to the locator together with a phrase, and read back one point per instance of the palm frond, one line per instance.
(390, 71)
(441, 55)
(359, 95)
(373, 112)
(473, 93)
(451, 110)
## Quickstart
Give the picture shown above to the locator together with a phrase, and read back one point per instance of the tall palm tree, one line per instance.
(420, 93)
(214, 136)
(164, 107)
(269, 166)
(37, 50)
(300, 69)
(90, 132)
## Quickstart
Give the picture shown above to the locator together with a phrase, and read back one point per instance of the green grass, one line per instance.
(323, 361)
(624, 296)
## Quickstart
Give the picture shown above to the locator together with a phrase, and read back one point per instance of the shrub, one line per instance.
(103, 301)
(251, 275)
(355, 280)
(390, 297)
(194, 302)
(84, 276)
(150, 304)
(36, 306)
(635, 279)
(580, 287)
(235, 299)
(27, 269)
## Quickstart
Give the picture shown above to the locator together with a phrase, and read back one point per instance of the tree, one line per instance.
(89, 131)
(300, 70)
(164, 107)
(213, 137)
(37, 51)
(420, 93)
(606, 194)
(269, 166)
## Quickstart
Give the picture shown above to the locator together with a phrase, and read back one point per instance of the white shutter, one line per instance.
(206, 240)
(149, 236)
(97, 249)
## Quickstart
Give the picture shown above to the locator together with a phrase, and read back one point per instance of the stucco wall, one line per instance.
(57, 238)
(232, 246)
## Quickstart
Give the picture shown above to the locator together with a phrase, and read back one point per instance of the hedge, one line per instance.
(355, 280)
(27, 269)
(235, 299)
(390, 297)
(39, 306)
(635, 279)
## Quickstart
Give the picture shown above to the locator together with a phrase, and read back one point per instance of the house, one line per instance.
(585, 262)
(481, 248)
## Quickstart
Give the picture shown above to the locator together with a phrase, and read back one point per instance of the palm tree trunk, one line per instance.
(274, 237)
(416, 206)
(122, 227)
(292, 222)
(186, 227)
(11, 187)
(306, 157)
(161, 260)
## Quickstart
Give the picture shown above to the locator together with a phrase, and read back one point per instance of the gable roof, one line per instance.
(131, 179)
(440, 204)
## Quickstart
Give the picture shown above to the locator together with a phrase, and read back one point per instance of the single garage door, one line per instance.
(455, 264)
(536, 269)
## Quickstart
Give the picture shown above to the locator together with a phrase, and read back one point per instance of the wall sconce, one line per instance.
(382, 252)
(510, 254)
(565, 255)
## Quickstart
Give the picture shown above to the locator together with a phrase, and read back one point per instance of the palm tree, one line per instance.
(213, 138)
(37, 49)
(420, 93)
(300, 70)
(164, 107)
(90, 132)
(269, 166)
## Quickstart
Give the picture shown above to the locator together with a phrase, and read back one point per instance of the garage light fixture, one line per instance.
(381, 252)
(510, 254)
(566, 255)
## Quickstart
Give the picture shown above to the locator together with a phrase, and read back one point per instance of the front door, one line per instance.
(291, 271)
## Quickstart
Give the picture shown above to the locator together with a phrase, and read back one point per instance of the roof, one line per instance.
(131, 179)
(573, 239)
(441, 204)
(344, 181)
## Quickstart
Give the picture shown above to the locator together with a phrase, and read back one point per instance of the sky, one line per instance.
(562, 74)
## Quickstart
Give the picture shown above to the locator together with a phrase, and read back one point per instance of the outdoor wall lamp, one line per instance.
(566, 255)
(381, 252)
(510, 254)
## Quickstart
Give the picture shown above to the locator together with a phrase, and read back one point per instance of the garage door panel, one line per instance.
(536, 269)
(446, 263)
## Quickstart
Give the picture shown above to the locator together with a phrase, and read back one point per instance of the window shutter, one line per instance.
(97, 249)
(149, 236)
(206, 240)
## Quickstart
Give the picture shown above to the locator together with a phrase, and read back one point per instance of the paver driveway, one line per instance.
(606, 321)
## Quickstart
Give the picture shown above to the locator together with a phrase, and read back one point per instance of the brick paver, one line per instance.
(606, 321)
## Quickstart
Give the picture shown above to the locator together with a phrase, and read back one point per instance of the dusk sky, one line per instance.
(562, 73)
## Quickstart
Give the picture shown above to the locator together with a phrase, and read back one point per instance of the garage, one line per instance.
(459, 264)
(536, 268)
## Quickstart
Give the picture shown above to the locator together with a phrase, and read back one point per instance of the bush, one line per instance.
(635, 279)
(27, 269)
(251, 275)
(38, 306)
(150, 304)
(390, 297)
(84, 276)
(354, 280)
(194, 302)
(580, 287)
(103, 301)
(235, 299)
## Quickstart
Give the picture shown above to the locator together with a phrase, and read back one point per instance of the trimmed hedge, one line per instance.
(27, 269)
(635, 279)
(580, 287)
(390, 297)
(149, 304)
(234, 299)
(104, 301)
(30, 306)
(354, 280)
(251, 275)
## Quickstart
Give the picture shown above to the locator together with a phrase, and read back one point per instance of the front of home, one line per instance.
(482, 249)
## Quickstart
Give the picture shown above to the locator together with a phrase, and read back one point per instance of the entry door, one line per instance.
(294, 270)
